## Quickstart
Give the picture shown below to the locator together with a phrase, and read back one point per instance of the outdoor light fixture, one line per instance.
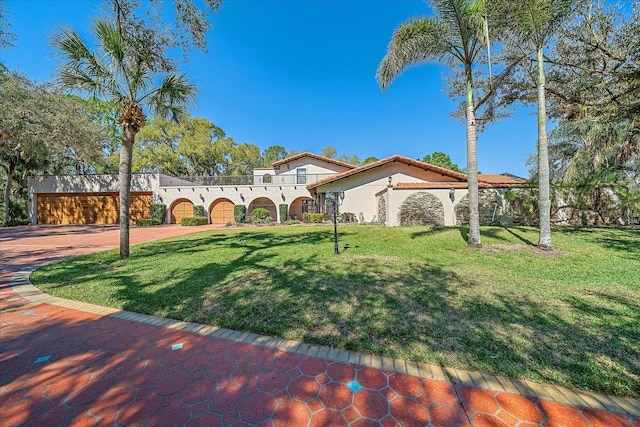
(452, 194)
(333, 198)
(282, 195)
(201, 197)
(390, 179)
(242, 197)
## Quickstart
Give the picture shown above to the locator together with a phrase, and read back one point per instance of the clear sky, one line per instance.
(301, 74)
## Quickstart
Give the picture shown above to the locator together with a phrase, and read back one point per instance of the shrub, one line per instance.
(239, 213)
(194, 220)
(284, 210)
(159, 212)
(228, 224)
(313, 218)
(260, 216)
(291, 222)
(198, 210)
(348, 218)
(147, 222)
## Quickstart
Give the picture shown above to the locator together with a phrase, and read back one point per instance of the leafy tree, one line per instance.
(329, 151)
(271, 155)
(370, 159)
(42, 130)
(438, 158)
(530, 27)
(352, 160)
(7, 37)
(594, 90)
(245, 157)
(118, 72)
(454, 37)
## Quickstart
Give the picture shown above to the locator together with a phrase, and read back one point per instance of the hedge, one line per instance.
(198, 210)
(260, 216)
(159, 212)
(147, 222)
(284, 210)
(239, 213)
(314, 218)
(194, 220)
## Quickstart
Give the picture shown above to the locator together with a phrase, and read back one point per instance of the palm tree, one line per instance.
(121, 74)
(533, 23)
(454, 37)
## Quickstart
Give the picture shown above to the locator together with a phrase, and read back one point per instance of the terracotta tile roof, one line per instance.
(314, 156)
(397, 158)
(501, 179)
(437, 185)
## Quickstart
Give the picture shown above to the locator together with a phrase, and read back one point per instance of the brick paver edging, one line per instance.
(21, 284)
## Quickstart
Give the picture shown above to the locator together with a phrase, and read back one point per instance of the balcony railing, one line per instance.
(275, 180)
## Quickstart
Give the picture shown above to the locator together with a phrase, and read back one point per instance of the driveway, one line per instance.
(71, 363)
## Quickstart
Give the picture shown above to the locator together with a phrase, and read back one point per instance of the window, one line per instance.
(301, 176)
(266, 178)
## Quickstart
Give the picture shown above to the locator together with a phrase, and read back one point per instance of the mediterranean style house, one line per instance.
(392, 191)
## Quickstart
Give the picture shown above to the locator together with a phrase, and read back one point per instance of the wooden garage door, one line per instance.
(89, 208)
(180, 209)
(221, 211)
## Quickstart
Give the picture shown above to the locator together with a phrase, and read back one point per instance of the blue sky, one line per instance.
(301, 74)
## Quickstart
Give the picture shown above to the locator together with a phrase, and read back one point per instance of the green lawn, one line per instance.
(570, 318)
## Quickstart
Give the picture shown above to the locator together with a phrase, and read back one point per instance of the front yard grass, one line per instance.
(571, 317)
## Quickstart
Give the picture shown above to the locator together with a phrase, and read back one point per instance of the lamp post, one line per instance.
(333, 197)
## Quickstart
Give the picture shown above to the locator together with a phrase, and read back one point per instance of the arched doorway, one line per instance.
(300, 206)
(221, 211)
(263, 202)
(422, 209)
(179, 209)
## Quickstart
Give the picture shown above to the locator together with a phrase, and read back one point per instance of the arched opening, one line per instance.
(263, 202)
(299, 207)
(221, 211)
(422, 209)
(382, 211)
(179, 209)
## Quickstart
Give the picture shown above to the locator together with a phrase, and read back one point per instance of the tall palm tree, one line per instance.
(453, 38)
(533, 23)
(122, 74)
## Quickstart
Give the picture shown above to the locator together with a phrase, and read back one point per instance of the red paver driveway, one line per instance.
(64, 366)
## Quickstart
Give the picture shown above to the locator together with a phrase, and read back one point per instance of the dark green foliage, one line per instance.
(260, 216)
(239, 213)
(441, 159)
(194, 220)
(159, 212)
(291, 222)
(284, 210)
(147, 222)
(314, 218)
(198, 210)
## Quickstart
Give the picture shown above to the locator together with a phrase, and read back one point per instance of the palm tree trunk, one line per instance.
(544, 203)
(7, 191)
(472, 164)
(126, 154)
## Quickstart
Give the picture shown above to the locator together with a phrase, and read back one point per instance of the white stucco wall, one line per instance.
(361, 189)
(239, 195)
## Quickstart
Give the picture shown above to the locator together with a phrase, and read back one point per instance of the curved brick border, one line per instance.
(461, 379)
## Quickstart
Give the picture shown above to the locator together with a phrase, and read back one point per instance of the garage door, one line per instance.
(89, 208)
(221, 211)
(180, 209)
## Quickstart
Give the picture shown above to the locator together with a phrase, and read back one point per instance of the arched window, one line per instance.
(266, 178)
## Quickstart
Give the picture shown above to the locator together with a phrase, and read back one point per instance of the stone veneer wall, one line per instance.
(487, 201)
(382, 211)
(422, 209)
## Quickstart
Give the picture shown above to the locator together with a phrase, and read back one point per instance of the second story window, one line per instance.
(301, 176)
(266, 178)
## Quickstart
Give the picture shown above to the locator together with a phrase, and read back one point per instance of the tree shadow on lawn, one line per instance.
(625, 241)
(387, 305)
